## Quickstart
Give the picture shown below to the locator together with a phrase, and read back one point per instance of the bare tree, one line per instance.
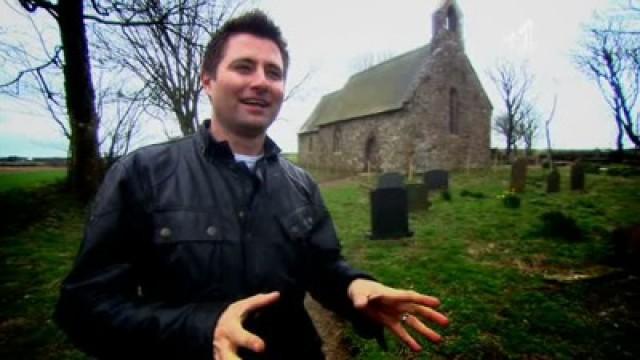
(547, 132)
(85, 168)
(513, 84)
(609, 55)
(122, 115)
(166, 56)
(527, 127)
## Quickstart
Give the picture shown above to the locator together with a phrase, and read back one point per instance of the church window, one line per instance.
(337, 138)
(454, 126)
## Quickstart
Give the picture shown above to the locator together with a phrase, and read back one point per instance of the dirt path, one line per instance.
(330, 327)
(331, 330)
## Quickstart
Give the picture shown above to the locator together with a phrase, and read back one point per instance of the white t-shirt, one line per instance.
(249, 160)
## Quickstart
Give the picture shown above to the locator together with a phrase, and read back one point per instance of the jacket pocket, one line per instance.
(172, 227)
(188, 252)
(298, 223)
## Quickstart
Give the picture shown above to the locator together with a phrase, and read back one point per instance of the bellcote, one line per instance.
(447, 21)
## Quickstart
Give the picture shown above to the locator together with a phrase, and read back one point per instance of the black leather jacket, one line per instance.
(178, 231)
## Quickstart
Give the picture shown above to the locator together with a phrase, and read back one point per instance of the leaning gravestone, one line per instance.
(518, 175)
(390, 181)
(418, 196)
(390, 208)
(436, 180)
(577, 176)
(553, 181)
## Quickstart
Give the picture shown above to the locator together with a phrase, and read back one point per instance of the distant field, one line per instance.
(29, 177)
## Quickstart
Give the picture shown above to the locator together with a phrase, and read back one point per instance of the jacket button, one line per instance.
(165, 232)
(211, 231)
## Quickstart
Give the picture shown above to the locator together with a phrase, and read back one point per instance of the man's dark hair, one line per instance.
(254, 22)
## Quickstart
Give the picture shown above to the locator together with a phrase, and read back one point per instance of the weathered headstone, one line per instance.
(390, 208)
(577, 176)
(436, 180)
(553, 181)
(390, 181)
(418, 197)
(518, 175)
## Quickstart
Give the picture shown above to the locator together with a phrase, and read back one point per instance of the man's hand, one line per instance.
(396, 309)
(229, 333)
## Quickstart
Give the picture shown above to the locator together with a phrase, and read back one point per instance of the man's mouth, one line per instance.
(255, 102)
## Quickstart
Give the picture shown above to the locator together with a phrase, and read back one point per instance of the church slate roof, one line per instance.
(381, 88)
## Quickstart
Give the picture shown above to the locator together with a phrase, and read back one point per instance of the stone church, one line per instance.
(422, 110)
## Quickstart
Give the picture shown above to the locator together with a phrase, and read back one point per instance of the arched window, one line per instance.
(452, 19)
(454, 126)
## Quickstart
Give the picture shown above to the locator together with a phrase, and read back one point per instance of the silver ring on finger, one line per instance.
(404, 317)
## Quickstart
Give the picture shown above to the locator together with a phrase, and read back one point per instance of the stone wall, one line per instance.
(420, 133)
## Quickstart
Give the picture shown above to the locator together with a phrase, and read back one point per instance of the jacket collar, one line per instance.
(215, 149)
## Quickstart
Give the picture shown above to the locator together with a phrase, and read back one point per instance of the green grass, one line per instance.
(38, 242)
(487, 264)
(30, 179)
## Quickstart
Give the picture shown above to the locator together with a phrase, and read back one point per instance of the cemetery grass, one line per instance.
(504, 279)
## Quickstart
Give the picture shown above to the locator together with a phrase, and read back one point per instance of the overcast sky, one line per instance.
(329, 37)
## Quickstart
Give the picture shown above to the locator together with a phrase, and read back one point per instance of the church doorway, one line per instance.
(371, 155)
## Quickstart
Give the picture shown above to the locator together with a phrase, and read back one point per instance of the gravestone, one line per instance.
(436, 180)
(626, 247)
(418, 196)
(390, 208)
(518, 175)
(553, 181)
(390, 181)
(577, 176)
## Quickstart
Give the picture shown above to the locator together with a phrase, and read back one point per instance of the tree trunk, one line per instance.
(85, 168)
(186, 124)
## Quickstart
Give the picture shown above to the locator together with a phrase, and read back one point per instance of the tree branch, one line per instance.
(55, 59)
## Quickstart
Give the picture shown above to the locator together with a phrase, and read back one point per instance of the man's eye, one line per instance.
(274, 74)
(243, 68)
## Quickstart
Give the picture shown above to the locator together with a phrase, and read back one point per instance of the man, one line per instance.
(205, 247)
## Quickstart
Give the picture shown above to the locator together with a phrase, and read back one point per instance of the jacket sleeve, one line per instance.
(329, 274)
(101, 307)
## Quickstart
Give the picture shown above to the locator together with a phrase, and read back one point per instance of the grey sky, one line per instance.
(328, 36)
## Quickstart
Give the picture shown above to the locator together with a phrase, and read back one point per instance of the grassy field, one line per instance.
(24, 178)
(496, 269)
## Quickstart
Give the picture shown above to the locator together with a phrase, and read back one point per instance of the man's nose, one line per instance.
(259, 80)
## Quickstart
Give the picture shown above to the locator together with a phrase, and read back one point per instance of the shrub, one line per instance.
(557, 225)
(625, 171)
(446, 195)
(510, 199)
(472, 194)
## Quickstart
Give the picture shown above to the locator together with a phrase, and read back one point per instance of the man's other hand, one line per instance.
(398, 310)
(229, 334)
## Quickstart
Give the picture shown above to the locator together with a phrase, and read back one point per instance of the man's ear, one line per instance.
(207, 80)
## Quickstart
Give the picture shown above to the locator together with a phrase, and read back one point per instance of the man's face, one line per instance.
(248, 87)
